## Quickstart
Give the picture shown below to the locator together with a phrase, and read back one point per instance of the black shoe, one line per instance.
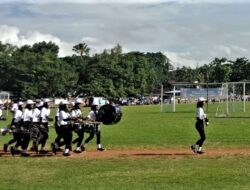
(36, 149)
(53, 148)
(5, 147)
(12, 151)
(25, 154)
(101, 149)
(200, 152)
(66, 154)
(78, 150)
(193, 148)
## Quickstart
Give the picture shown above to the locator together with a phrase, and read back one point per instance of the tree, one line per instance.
(81, 49)
(240, 69)
(220, 71)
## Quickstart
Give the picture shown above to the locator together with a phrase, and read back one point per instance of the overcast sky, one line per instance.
(188, 32)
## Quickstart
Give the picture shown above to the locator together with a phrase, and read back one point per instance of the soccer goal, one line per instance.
(233, 99)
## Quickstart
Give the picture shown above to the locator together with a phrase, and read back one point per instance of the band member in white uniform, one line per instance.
(14, 107)
(27, 121)
(44, 127)
(16, 127)
(77, 118)
(201, 118)
(65, 126)
(92, 116)
(35, 132)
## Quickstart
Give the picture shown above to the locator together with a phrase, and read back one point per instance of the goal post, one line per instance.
(233, 100)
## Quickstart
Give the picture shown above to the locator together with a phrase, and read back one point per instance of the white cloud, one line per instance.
(181, 59)
(12, 35)
(9, 34)
(190, 33)
(196, 56)
(89, 39)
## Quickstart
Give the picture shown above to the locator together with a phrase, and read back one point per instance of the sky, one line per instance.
(190, 33)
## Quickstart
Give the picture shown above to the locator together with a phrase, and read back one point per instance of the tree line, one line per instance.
(36, 71)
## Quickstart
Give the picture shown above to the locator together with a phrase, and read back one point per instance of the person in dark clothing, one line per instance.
(201, 118)
(27, 121)
(65, 129)
(16, 128)
(96, 129)
(77, 118)
(44, 127)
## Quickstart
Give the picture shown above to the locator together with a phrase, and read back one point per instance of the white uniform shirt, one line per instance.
(57, 112)
(63, 115)
(76, 113)
(14, 108)
(92, 115)
(36, 115)
(45, 112)
(18, 116)
(27, 115)
(200, 113)
(1, 112)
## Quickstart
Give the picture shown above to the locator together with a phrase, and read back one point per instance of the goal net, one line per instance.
(233, 99)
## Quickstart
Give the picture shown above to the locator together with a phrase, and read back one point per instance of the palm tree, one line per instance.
(81, 48)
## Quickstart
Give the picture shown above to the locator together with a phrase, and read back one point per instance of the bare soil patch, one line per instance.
(140, 153)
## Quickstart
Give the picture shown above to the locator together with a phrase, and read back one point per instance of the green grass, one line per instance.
(142, 127)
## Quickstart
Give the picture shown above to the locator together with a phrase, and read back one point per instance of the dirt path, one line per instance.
(168, 153)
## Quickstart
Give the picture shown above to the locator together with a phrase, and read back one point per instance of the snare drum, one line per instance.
(90, 127)
(77, 126)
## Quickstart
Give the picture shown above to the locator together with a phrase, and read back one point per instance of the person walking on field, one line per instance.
(27, 121)
(201, 118)
(65, 127)
(44, 127)
(96, 130)
(77, 118)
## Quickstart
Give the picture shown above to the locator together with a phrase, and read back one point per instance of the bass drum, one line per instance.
(109, 114)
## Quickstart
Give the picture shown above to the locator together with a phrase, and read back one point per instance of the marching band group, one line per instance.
(30, 123)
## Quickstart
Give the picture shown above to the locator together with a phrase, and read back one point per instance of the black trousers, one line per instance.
(79, 139)
(26, 135)
(59, 135)
(199, 125)
(44, 130)
(92, 133)
(16, 137)
(66, 133)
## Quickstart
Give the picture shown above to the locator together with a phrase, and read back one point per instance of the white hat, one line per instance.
(64, 102)
(45, 100)
(1, 102)
(78, 101)
(30, 102)
(201, 99)
(39, 104)
(20, 103)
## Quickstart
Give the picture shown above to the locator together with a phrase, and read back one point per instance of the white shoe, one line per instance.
(66, 152)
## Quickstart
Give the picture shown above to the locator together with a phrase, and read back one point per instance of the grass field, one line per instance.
(143, 127)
